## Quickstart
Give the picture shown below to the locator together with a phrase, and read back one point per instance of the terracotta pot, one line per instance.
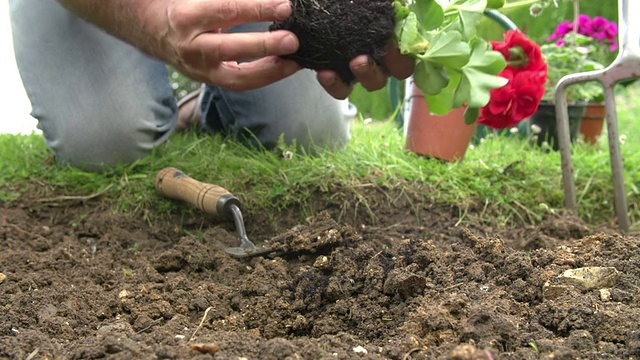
(445, 137)
(592, 122)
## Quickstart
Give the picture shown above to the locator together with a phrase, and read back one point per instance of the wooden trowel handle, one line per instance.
(212, 199)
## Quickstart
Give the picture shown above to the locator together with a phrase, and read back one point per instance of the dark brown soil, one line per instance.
(79, 282)
(332, 32)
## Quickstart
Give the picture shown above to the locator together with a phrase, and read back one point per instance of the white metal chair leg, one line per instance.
(625, 66)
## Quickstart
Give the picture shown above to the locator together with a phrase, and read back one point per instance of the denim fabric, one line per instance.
(101, 102)
(296, 107)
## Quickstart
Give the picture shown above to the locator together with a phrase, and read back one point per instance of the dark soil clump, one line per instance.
(332, 32)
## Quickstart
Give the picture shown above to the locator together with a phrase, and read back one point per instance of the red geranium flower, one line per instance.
(516, 101)
(527, 74)
(520, 51)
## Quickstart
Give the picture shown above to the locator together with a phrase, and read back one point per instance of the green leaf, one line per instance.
(374, 104)
(401, 10)
(495, 4)
(442, 103)
(479, 76)
(484, 58)
(469, 5)
(410, 37)
(471, 115)
(430, 78)
(469, 21)
(448, 49)
(430, 14)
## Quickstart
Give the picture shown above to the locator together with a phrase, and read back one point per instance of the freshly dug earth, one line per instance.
(332, 32)
(401, 279)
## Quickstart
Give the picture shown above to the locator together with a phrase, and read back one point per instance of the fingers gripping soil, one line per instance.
(371, 76)
(255, 74)
(243, 46)
(197, 36)
(235, 12)
(398, 65)
(333, 33)
(212, 15)
(333, 85)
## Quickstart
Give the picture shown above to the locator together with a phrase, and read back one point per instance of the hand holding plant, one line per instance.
(454, 67)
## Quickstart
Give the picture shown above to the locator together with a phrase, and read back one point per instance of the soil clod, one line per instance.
(333, 32)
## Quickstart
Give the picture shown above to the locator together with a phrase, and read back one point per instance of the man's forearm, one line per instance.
(141, 23)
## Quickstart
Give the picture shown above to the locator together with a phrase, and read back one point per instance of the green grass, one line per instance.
(502, 181)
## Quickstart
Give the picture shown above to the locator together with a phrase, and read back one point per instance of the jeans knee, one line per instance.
(103, 145)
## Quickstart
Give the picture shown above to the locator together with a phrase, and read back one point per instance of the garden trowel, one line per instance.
(212, 199)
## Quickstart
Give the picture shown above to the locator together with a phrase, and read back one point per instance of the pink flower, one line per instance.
(598, 28)
(605, 30)
(561, 31)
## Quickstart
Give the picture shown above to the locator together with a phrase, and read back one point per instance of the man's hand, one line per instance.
(371, 76)
(206, 53)
(189, 35)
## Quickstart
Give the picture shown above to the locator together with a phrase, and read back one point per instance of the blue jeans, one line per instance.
(101, 102)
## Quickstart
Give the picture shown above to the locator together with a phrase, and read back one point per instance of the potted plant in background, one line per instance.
(569, 57)
(458, 73)
(601, 35)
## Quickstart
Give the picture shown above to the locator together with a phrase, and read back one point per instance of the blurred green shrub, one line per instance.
(375, 104)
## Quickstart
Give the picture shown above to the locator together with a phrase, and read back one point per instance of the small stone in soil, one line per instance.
(205, 348)
(323, 232)
(588, 278)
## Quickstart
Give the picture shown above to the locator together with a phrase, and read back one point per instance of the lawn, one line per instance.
(503, 178)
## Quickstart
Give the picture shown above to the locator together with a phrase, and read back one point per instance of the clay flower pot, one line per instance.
(592, 122)
(445, 137)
